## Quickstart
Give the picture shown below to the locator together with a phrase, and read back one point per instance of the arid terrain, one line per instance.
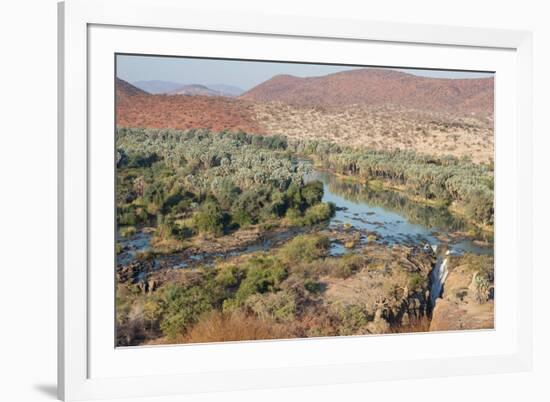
(379, 87)
(446, 117)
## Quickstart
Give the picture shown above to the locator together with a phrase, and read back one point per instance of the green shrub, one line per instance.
(229, 277)
(313, 286)
(209, 218)
(279, 306)
(347, 265)
(312, 193)
(319, 213)
(304, 248)
(353, 319)
(182, 306)
(263, 274)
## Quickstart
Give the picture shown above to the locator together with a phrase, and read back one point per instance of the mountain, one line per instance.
(124, 88)
(227, 90)
(195, 89)
(176, 88)
(157, 86)
(369, 86)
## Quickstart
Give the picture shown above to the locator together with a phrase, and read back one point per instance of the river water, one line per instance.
(386, 217)
(394, 219)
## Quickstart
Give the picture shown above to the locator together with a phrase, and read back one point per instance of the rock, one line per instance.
(372, 237)
(465, 303)
(349, 244)
(448, 316)
(383, 285)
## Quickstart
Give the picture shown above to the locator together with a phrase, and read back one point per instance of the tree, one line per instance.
(209, 218)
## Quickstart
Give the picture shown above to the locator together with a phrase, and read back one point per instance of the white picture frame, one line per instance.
(90, 31)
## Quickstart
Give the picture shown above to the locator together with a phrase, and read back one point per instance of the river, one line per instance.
(394, 219)
(384, 216)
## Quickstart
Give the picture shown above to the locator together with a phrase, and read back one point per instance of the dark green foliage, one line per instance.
(136, 159)
(445, 179)
(319, 213)
(223, 180)
(182, 306)
(209, 219)
(155, 193)
(131, 215)
(352, 319)
(305, 248)
(230, 277)
(313, 286)
(312, 193)
(263, 274)
(226, 192)
(252, 204)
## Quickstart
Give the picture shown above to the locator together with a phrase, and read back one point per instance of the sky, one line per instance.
(242, 74)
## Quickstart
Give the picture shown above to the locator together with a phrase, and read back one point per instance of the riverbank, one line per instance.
(297, 289)
(382, 185)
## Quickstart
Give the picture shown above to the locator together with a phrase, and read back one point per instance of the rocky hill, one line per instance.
(196, 89)
(136, 108)
(379, 87)
(124, 88)
(157, 86)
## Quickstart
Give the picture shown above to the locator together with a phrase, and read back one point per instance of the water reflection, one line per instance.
(393, 217)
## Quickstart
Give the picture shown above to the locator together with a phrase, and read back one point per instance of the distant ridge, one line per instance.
(157, 86)
(227, 90)
(195, 89)
(376, 87)
(124, 88)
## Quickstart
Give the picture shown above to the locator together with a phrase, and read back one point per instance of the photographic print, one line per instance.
(262, 200)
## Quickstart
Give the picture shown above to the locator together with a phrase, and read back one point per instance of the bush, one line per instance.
(304, 248)
(347, 266)
(312, 193)
(252, 204)
(182, 306)
(319, 213)
(280, 306)
(353, 319)
(209, 218)
(229, 277)
(313, 286)
(263, 274)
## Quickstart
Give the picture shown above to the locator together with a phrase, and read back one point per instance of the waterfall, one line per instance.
(438, 276)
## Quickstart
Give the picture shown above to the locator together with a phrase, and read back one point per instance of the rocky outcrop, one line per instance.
(467, 299)
(393, 287)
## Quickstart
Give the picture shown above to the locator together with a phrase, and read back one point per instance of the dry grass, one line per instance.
(383, 127)
(421, 324)
(235, 326)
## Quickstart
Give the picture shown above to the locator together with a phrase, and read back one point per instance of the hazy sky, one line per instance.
(243, 74)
